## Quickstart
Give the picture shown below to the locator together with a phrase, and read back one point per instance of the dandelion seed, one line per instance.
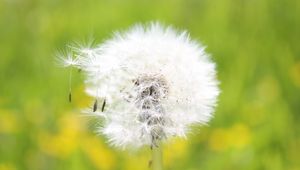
(69, 61)
(95, 105)
(103, 105)
(70, 85)
(70, 97)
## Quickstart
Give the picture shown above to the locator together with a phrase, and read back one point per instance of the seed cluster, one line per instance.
(150, 91)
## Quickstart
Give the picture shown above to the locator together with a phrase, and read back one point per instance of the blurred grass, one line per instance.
(254, 42)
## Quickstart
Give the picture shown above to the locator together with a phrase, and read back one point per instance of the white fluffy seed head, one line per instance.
(156, 83)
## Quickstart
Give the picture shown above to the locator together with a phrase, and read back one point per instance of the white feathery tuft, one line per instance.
(155, 81)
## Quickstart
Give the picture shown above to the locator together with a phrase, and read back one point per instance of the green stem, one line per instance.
(157, 157)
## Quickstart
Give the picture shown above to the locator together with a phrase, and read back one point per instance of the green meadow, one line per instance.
(255, 44)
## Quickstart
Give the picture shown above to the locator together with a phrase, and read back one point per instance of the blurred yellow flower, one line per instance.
(62, 144)
(136, 161)
(175, 150)
(98, 153)
(237, 136)
(8, 121)
(7, 166)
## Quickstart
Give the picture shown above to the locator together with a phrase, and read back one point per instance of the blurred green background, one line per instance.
(255, 43)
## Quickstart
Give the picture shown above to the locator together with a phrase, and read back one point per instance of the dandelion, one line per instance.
(154, 82)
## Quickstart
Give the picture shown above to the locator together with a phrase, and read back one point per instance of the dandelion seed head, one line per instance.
(157, 82)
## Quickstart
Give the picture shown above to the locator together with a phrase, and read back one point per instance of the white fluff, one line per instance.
(157, 82)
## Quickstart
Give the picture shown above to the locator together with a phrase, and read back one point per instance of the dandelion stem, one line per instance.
(157, 157)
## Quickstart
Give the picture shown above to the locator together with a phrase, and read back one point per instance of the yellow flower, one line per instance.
(238, 136)
(99, 155)
(7, 166)
(8, 122)
(175, 150)
(66, 141)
